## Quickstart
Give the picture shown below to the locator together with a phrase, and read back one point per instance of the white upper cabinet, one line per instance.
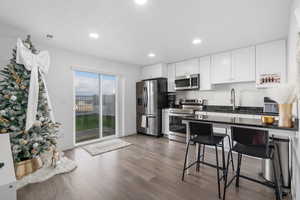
(171, 77)
(221, 68)
(243, 65)
(187, 67)
(233, 66)
(154, 71)
(271, 64)
(204, 69)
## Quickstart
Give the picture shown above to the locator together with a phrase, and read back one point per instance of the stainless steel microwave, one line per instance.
(190, 82)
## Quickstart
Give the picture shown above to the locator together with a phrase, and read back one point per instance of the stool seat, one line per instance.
(208, 140)
(220, 134)
(259, 152)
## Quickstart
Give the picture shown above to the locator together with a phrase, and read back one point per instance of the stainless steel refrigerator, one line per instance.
(151, 98)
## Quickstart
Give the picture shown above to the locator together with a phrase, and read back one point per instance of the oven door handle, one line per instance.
(180, 115)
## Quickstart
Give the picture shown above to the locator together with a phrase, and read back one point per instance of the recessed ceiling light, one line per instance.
(151, 55)
(197, 41)
(94, 35)
(140, 2)
(49, 36)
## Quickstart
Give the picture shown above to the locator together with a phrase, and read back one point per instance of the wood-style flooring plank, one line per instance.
(150, 169)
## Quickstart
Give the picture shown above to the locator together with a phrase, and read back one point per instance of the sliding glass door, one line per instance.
(95, 114)
(108, 105)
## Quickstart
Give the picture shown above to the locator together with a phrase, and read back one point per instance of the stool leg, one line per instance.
(185, 159)
(237, 182)
(198, 158)
(279, 162)
(203, 153)
(218, 174)
(226, 174)
(276, 180)
(223, 157)
(230, 146)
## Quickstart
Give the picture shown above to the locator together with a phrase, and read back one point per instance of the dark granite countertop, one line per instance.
(238, 110)
(240, 122)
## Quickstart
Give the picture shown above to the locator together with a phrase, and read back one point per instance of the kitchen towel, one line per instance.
(144, 121)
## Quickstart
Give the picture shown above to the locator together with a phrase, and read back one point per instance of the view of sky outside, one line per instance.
(87, 84)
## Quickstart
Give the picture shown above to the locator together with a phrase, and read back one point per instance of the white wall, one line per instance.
(293, 74)
(60, 83)
(294, 29)
(246, 94)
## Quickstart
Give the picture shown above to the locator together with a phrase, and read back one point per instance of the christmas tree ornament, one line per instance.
(36, 63)
(3, 120)
(13, 98)
(3, 131)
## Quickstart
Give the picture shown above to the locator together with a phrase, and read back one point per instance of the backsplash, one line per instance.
(246, 94)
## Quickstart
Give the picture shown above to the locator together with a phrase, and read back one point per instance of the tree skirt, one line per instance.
(65, 165)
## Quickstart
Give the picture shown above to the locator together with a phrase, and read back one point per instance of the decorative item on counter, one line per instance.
(285, 96)
(1, 164)
(268, 119)
(269, 78)
(285, 115)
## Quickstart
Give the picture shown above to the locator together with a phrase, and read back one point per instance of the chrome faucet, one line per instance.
(232, 98)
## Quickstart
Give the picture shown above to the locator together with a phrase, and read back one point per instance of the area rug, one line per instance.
(105, 146)
(65, 165)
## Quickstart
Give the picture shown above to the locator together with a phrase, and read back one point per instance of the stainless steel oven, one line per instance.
(177, 129)
(189, 82)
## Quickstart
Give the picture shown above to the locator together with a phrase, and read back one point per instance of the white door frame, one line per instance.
(74, 69)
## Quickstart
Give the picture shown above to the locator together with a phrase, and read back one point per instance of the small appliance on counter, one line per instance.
(270, 106)
(172, 100)
(190, 82)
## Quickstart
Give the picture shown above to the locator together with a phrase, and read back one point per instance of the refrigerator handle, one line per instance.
(146, 96)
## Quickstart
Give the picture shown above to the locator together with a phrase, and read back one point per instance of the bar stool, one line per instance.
(220, 145)
(255, 143)
(202, 134)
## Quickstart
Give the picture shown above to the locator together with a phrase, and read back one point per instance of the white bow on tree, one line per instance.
(36, 63)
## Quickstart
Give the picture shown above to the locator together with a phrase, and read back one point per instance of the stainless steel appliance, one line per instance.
(283, 163)
(190, 82)
(177, 129)
(151, 97)
(171, 100)
(270, 106)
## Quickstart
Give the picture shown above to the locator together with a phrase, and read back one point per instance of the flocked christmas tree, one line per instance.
(14, 87)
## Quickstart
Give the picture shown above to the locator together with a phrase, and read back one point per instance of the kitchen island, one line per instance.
(290, 134)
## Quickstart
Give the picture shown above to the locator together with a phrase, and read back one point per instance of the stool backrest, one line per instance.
(201, 129)
(250, 137)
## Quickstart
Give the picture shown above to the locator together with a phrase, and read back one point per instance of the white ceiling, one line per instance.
(166, 27)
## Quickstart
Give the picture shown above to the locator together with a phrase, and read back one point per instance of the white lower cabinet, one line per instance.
(165, 121)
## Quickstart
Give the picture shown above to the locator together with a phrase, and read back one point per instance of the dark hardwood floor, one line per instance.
(149, 169)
